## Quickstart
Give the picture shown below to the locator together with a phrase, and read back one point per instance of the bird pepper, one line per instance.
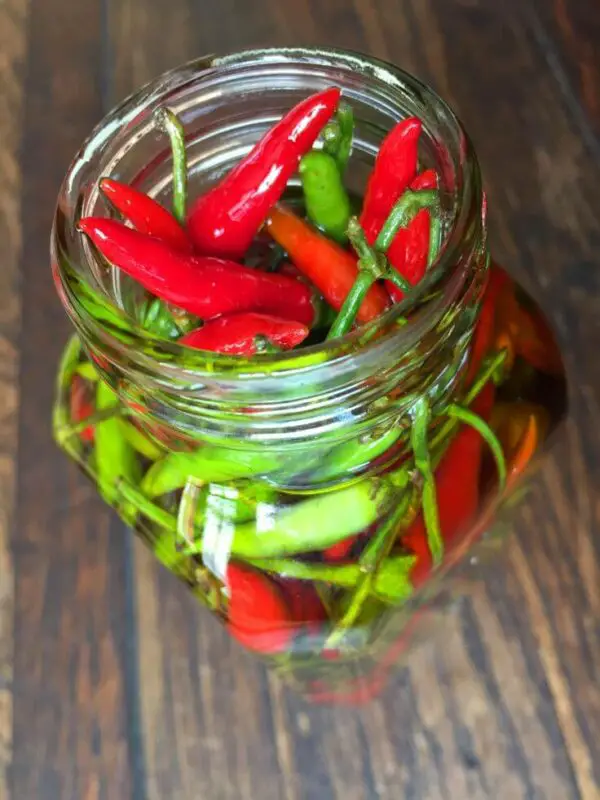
(146, 214)
(224, 221)
(204, 286)
(258, 616)
(332, 269)
(240, 334)
(395, 167)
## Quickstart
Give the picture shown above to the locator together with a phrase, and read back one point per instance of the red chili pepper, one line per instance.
(258, 616)
(409, 251)
(483, 336)
(145, 214)
(457, 485)
(224, 221)
(394, 169)
(237, 334)
(204, 286)
(332, 269)
(81, 407)
(305, 603)
(340, 550)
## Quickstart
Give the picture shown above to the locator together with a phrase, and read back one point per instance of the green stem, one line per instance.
(400, 281)
(146, 507)
(487, 372)
(375, 553)
(264, 345)
(420, 445)
(170, 123)
(403, 212)
(351, 305)
(369, 259)
(66, 430)
(480, 425)
(338, 135)
(370, 270)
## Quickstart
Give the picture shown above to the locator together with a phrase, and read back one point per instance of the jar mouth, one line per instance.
(96, 314)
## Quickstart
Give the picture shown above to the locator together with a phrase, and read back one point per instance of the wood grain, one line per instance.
(123, 687)
(73, 690)
(13, 38)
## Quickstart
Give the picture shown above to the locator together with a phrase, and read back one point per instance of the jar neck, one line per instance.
(362, 380)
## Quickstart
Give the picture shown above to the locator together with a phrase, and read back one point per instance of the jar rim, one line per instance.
(118, 329)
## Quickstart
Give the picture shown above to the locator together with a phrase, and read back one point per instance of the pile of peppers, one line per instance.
(241, 271)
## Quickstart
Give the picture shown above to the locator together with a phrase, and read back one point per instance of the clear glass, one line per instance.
(270, 463)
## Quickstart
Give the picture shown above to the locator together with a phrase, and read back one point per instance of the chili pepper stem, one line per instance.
(480, 425)
(377, 550)
(421, 416)
(347, 314)
(411, 202)
(370, 270)
(168, 121)
(64, 432)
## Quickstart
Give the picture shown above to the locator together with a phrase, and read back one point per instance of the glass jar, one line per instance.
(283, 489)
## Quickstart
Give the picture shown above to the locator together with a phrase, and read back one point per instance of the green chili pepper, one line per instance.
(139, 441)
(421, 415)
(62, 427)
(351, 456)
(338, 136)
(115, 458)
(327, 203)
(316, 523)
(87, 371)
(370, 562)
(156, 317)
(390, 580)
(208, 465)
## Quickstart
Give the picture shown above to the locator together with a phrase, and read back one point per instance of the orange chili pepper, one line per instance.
(520, 427)
(332, 269)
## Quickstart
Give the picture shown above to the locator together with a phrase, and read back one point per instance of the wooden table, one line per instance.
(113, 685)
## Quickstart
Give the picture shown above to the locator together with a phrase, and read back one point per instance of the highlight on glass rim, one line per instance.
(298, 374)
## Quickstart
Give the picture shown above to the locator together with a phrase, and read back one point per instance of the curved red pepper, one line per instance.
(224, 221)
(236, 334)
(204, 286)
(409, 251)
(332, 269)
(394, 169)
(258, 616)
(457, 485)
(146, 214)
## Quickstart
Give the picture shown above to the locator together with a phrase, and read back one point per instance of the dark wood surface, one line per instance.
(113, 684)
